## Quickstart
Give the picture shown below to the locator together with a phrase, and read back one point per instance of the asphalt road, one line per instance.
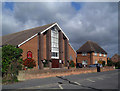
(93, 81)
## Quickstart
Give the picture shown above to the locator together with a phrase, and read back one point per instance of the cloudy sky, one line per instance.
(80, 21)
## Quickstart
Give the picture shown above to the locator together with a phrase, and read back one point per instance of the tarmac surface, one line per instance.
(90, 81)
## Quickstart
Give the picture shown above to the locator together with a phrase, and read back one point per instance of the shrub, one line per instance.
(71, 64)
(45, 63)
(117, 65)
(11, 59)
(110, 63)
(103, 63)
(29, 63)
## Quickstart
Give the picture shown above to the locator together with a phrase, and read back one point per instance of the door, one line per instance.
(55, 63)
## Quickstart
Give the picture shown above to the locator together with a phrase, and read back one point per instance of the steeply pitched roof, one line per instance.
(91, 46)
(19, 37)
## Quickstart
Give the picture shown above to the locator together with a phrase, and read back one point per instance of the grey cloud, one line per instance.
(94, 21)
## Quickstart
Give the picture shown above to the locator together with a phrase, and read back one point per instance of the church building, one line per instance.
(45, 43)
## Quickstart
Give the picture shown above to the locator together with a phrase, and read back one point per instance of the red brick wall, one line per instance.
(80, 58)
(44, 47)
(35, 74)
(64, 50)
(31, 45)
(98, 58)
(72, 53)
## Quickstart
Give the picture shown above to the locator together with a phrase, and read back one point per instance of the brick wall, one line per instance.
(80, 58)
(72, 53)
(98, 58)
(44, 47)
(63, 50)
(35, 74)
(31, 45)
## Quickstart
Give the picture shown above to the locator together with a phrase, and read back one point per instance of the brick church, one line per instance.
(47, 42)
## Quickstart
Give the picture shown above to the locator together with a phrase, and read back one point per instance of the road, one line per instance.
(93, 81)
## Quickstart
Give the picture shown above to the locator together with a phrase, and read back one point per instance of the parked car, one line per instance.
(92, 65)
(95, 65)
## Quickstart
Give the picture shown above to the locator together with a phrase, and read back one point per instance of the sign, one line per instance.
(60, 61)
(29, 54)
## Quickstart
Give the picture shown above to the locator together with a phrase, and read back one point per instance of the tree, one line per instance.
(11, 62)
(110, 63)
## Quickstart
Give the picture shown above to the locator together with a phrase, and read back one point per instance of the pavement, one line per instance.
(90, 81)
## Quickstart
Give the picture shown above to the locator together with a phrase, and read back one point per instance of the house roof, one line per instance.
(19, 37)
(91, 46)
(115, 55)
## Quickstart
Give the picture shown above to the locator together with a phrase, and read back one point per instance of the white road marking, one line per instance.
(60, 86)
(77, 83)
(90, 80)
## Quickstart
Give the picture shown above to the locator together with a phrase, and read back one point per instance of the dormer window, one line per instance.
(100, 54)
(84, 54)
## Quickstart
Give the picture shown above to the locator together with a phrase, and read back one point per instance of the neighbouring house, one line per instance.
(115, 58)
(45, 43)
(91, 53)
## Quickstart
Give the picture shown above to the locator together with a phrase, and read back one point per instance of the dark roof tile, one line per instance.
(91, 46)
(19, 37)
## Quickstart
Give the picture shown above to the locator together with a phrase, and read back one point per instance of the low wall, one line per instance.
(35, 74)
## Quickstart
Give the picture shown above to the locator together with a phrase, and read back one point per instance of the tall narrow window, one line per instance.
(54, 43)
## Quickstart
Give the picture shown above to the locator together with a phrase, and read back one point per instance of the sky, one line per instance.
(81, 21)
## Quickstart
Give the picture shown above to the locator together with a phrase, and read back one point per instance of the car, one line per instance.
(92, 65)
(95, 65)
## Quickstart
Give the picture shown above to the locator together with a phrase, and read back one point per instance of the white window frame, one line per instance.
(55, 43)
(84, 62)
(95, 54)
(100, 54)
(104, 55)
(96, 61)
(84, 54)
